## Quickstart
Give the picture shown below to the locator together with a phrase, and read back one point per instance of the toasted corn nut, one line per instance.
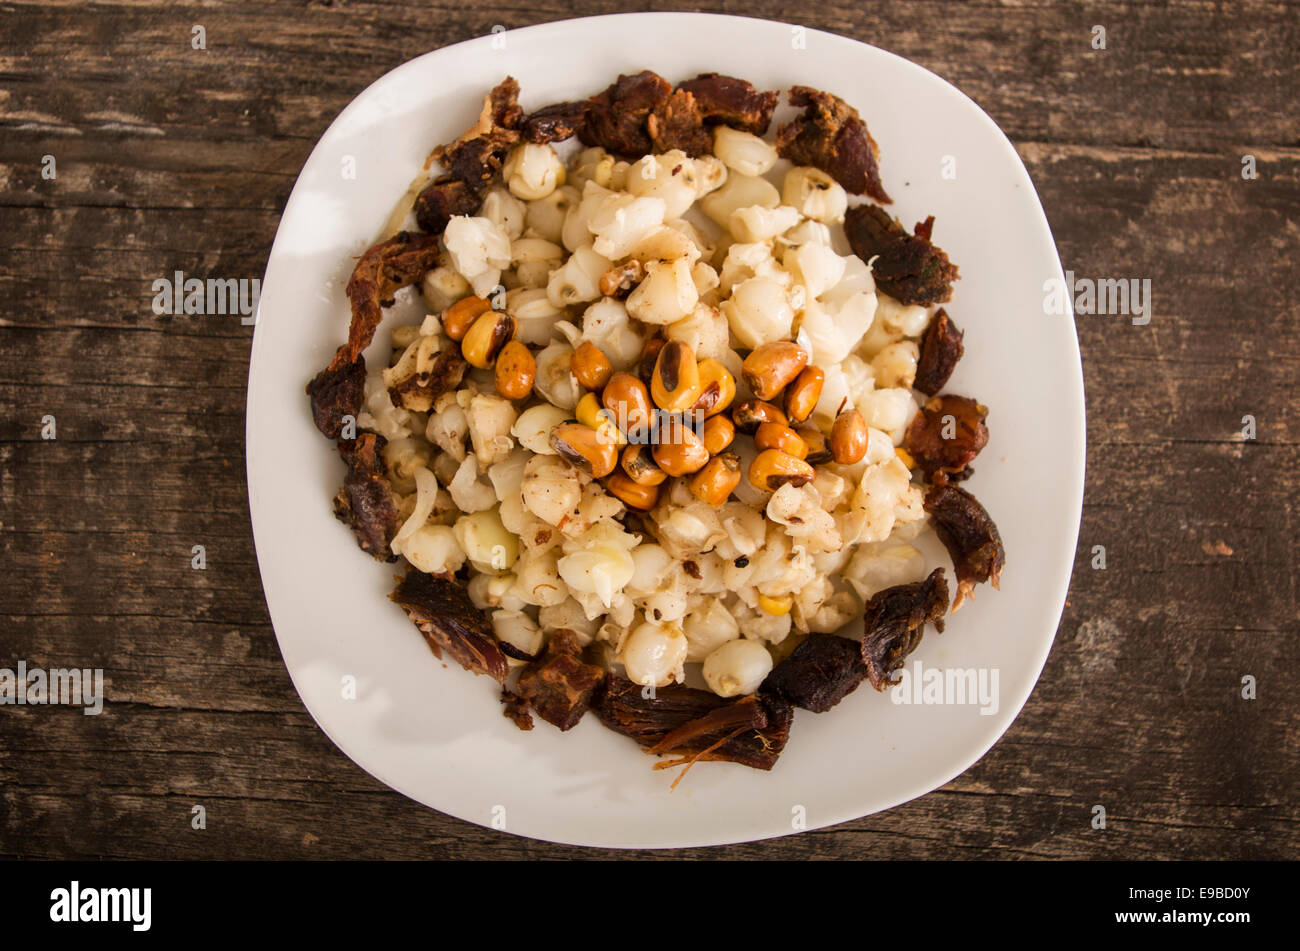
(590, 366)
(632, 494)
(679, 450)
(751, 414)
(640, 466)
(819, 450)
(849, 437)
(717, 434)
(486, 338)
(714, 483)
(802, 395)
(773, 468)
(769, 368)
(645, 367)
(516, 371)
(587, 449)
(776, 436)
(675, 382)
(906, 457)
(590, 414)
(460, 316)
(620, 280)
(628, 401)
(779, 606)
(717, 388)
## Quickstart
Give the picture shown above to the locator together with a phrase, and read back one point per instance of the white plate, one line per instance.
(437, 733)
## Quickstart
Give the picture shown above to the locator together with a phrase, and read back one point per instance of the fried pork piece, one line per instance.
(946, 436)
(894, 621)
(679, 124)
(941, 348)
(819, 673)
(447, 618)
(908, 267)
(616, 118)
(337, 392)
(365, 503)
(696, 724)
(444, 199)
(831, 136)
(481, 150)
(729, 101)
(558, 687)
(555, 123)
(970, 536)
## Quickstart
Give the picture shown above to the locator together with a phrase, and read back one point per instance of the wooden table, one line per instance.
(169, 157)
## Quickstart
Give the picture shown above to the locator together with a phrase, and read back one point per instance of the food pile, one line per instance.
(662, 414)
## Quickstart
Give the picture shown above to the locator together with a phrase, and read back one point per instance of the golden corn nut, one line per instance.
(802, 394)
(632, 494)
(590, 414)
(585, 448)
(487, 337)
(649, 355)
(714, 483)
(679, 451)
(751, 414)
(460, 316)
(717, 434)
(771, 366)
(776, 436)
(773, 468)
(675, 381)
(717, 388)
(849, 437)
(516, 371)
(628, 401)
(590, 365)
(819, 450)
(640, 466)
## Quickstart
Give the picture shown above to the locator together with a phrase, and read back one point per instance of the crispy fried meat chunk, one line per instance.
(946, 436)
(830, 135)
(384, 269)
(970, 536)
(365, 503)
(819, 673)
(480, 151)
(555, 123)
(894, 621)
(337, 392)
(447, 618)
(558, 687)
(443, 199)
(616, 118)
(941, 348)
(696, 724)
(679, 124)
(729, 101)
(908, 267)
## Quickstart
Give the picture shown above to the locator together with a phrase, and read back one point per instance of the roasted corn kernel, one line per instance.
(645, 367)
(586, 448)
(771, 366)
(819, 451)
(590, 414)
(486, 337)
(675, 381)
(717, 480)
(640, 466)
(516, 371)
(773, 468)
(591, 366)
(628, 401)
(801, 396)
(776, 436)
(679, 451)
(632, 494)
(849, 437)
(717, 434)
(460, 316)
(717, 388)
(751, 414)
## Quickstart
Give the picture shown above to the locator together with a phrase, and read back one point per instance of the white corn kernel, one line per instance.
(737, 667)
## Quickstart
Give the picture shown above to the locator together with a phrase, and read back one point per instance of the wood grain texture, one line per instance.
(174, 158)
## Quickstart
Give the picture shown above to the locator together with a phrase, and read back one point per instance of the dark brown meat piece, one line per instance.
(559, 686)
(442, 200)
(365, 503)
(384, 269)
(337, 392)
(616, 118)
(480, 151)
(679, 124)
(946, 436)
(447, 618)
(819, 673)
(419, 391)
(894, 621)
(941, 348)
(970, 536)
(729, 101)
(831, 136)
(682, 720)
(908, 267)
(556, 122)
